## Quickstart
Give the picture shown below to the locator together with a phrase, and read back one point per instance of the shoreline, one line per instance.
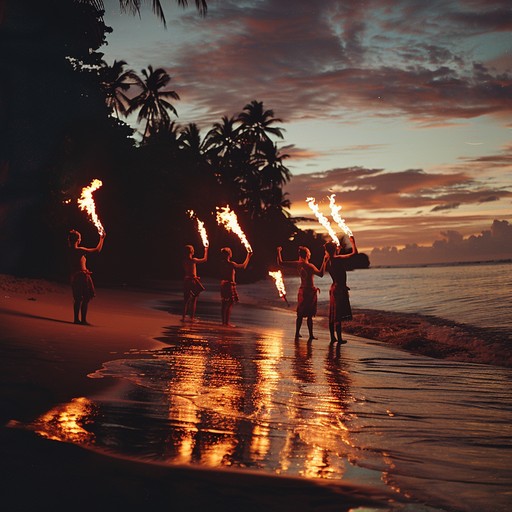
(47, 360)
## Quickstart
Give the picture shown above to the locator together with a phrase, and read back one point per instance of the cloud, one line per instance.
(325, 58)
(492, 244)
(380, 191)
(441, 207)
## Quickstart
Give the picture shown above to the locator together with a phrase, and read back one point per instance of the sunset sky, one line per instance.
(401, 108)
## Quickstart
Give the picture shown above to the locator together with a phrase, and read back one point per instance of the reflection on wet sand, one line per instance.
(68, 422)
(222, 398)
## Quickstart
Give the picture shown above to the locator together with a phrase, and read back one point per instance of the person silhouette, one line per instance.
(192, 285)
(228, 291)
(339, 301)
(81, 281)
(308, 293)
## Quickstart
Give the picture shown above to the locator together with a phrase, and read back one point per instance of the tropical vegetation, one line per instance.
(66, 123)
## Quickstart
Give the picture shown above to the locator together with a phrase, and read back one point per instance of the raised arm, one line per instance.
(98, 247)
(203, 259)
(243, 265)
(320, 272)
(280, 261)
(354, 250)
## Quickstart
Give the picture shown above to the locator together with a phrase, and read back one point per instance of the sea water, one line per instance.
(437, 434)
(478, 294)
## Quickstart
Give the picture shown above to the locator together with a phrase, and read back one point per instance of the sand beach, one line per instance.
(48, 362)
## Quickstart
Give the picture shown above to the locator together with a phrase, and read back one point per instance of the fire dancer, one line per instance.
(308, 292)
(192, 285)
(228, 292)
(81, 280)
(339, 302)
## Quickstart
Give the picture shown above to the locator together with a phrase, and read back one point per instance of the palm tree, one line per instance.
(190, 139)
(256, 124)
(273, 171)
(134, 6)
(115, 82)
(152, 101)
(221, 139)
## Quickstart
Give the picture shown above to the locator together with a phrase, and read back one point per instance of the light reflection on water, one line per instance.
(231, 401)
(437, 431)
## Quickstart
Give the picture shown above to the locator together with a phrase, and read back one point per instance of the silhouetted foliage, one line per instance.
(61, 127)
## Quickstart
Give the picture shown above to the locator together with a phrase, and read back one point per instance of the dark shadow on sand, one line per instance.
(37, 317)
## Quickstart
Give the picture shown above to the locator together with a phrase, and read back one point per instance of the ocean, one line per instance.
(435, 434)
(477, 294)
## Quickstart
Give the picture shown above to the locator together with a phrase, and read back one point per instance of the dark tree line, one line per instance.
(62, 108)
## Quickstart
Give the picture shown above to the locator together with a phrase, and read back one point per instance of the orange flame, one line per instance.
(200, 228)
(322, 219)
(278, 278)
(229, 220)
(86, 202)
(335, 213)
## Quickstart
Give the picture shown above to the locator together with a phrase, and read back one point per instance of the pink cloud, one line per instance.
(376, 190)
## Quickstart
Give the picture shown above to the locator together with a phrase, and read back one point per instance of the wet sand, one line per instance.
(418, 430)
(46, 360)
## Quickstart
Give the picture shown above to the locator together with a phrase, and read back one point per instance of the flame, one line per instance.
(229, 219)
(335, 213)
(200, 228)
(278, 278)
(86, 202)
(322, 219)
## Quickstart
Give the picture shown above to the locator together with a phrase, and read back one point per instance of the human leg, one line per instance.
(83, 311)
(298, 325)
(331, 332)
(309, 322)
(76, 311)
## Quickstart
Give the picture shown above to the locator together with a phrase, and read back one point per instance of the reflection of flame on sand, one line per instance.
(64, 423)
(86, 202)
(278, 279)
(200, 227)
(229, 220)
(322, 219)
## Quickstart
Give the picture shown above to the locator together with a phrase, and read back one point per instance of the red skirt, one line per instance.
(339, 304)
(228, 291)
(307, 301)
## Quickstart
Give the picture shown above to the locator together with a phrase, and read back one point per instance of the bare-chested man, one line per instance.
(192, 285)
(228, 292)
